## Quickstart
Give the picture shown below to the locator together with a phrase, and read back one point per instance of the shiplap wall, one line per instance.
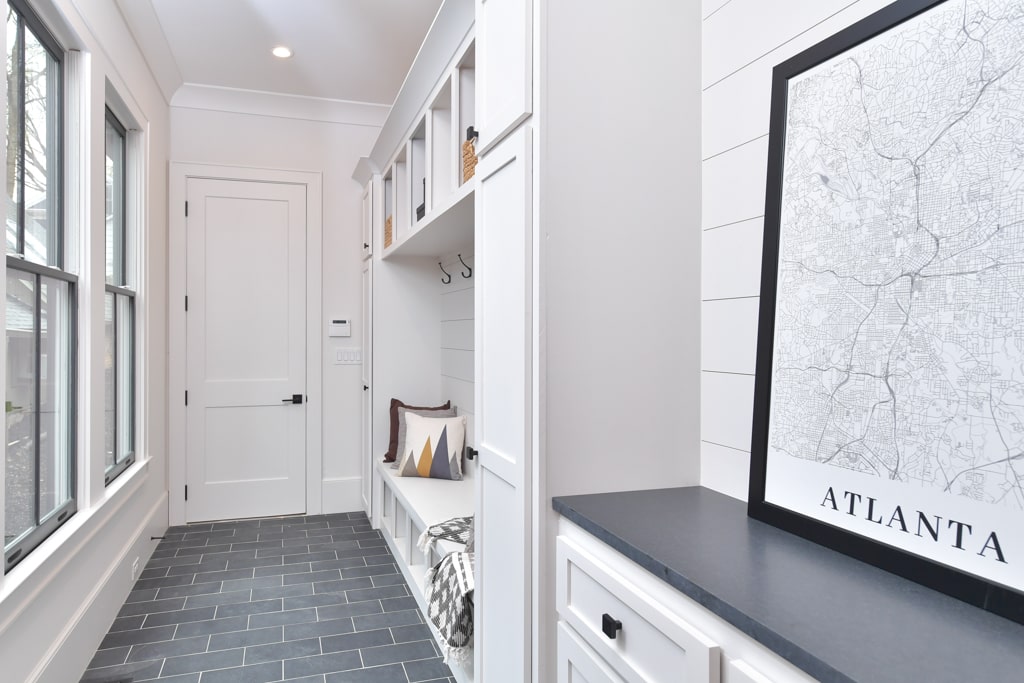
(742, 40)
(457, 367)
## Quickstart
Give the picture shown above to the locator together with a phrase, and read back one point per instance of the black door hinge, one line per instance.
(186, 302)
(186, 209)
(186, 491)
(186, 397)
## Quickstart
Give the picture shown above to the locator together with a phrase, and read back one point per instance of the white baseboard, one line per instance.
(73, 646)
(342, 495)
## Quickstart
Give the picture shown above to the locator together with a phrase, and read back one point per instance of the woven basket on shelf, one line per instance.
(387, 233)
(468, 160)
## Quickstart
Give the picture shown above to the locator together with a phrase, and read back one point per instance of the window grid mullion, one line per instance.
(38, 397)
(124, 208)
(117, 388)
(19, 47)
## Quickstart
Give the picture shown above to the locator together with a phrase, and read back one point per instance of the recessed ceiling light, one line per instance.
(282, 52)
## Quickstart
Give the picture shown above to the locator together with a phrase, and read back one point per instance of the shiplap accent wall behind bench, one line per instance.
(457, 366)
(742, 40)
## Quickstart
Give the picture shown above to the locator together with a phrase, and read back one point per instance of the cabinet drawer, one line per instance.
(738, 671)
(577, 663)
(650, 644)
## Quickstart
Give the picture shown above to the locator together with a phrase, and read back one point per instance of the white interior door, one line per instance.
(245, 349)
(504, 347)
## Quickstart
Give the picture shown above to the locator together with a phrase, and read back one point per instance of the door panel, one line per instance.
(504, 54)
(366, 454)
(245, 349)
(503, 252)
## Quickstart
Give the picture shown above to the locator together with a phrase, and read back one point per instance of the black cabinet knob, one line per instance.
(365, 245)
(471, 453)
(610, 626)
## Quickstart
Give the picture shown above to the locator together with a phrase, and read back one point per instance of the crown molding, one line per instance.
(236, 101)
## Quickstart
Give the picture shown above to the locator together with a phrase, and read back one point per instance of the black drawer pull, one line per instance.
(610, 626)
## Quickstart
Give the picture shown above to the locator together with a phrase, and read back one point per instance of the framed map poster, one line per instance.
(889, 392)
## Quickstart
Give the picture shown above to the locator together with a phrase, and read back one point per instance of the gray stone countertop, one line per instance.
(836, 618)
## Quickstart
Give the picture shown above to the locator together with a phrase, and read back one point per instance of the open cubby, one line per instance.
(466, 73)
(403, 205)
(418, 172)
(388, 191)
(442, 149)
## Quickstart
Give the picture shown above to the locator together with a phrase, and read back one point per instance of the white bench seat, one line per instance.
(408, 505)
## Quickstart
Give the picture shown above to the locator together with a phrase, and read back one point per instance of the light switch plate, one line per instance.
(348, 356)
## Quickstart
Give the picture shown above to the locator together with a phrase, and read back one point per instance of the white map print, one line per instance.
(899, 332)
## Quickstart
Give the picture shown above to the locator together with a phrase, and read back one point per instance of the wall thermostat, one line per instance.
(339, 328)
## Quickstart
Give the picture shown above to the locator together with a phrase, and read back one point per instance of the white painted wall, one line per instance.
(619, 209)
(58, 603)
(291, 139)
(457, 339)
(742, 40)
(617, 196)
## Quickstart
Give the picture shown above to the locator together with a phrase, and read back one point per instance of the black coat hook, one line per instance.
(470, 273)
(449, 275)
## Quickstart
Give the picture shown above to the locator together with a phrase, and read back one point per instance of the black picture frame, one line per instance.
(963, 585)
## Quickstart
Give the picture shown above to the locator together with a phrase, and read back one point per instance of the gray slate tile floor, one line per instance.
(314, 599)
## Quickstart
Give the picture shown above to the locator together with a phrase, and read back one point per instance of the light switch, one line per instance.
(348, 356)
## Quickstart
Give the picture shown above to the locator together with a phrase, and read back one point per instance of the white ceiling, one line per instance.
(354, 50)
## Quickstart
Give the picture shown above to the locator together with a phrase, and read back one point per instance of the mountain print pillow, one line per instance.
(433, 447)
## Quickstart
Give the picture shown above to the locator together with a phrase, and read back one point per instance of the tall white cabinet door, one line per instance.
(366, 416)
(368, 221)
(504, 333)
(504, 62)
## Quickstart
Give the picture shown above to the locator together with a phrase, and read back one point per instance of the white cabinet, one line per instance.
(636, 635)
(577, 663)
(367, 221)
(366, 416)
(655, 633)
(504, 368)
(504, 30)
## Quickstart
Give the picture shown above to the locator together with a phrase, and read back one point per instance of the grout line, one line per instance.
(849, 4)
(727, 372)
(726, 225)
(731, 448)
(734, 147)
(732, 298)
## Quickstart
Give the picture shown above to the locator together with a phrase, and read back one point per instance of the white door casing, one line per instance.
(246, 349)
(179, 174)
(504, 372)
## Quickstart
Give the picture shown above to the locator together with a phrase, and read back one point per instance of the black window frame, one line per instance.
(120, 292)
(54, 269)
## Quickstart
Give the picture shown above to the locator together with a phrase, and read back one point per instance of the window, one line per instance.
(119, 311)
(40, 391)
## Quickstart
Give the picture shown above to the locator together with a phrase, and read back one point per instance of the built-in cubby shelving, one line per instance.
(426, 194)
(422, 316)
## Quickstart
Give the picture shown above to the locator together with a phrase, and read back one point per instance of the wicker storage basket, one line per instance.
(468, 160)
